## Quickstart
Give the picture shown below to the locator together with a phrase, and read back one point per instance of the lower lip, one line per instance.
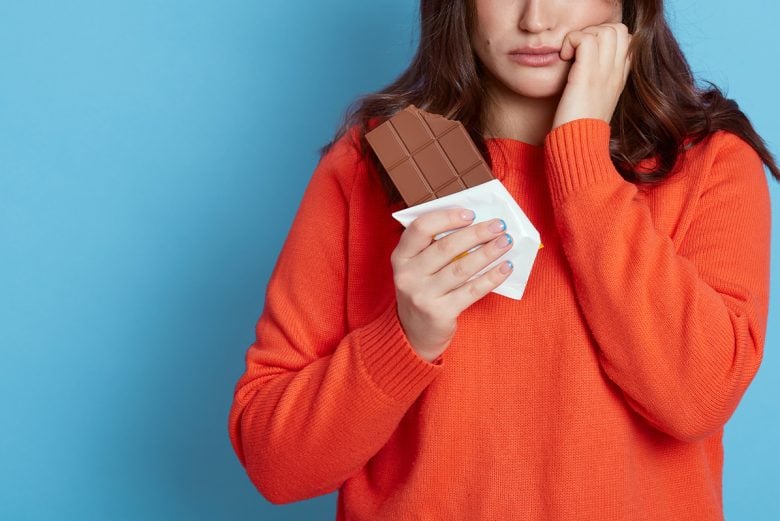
(535, 60)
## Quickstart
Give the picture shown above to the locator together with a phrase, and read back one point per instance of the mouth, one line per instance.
(535, 59)
(546, 49)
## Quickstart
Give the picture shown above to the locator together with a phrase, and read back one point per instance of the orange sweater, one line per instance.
(601, 395)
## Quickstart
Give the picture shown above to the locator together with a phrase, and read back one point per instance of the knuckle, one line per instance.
(454, 216)
(475, 290)
(394, 260)
(415, 227)
(444, 246)
(458, 270)
(493, 251)
(483, 233)
(419, 301)
(401, 280)
(495, 277)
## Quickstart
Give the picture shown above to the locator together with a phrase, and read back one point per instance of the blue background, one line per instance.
(142, 146)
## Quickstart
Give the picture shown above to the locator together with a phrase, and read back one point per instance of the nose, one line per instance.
(535, 16)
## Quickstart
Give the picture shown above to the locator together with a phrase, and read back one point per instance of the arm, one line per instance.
(316, 401)
(680, 328)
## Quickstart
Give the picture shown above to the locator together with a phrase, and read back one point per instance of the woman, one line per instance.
(603, 392)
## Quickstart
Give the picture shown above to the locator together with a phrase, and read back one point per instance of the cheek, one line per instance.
(494, 21)
(483, 41)
(581, 14)
(616, 12)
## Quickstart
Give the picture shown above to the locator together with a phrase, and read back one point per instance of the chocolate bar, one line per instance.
(427, 156)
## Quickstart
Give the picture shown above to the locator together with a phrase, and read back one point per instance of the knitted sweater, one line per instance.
(600, 395)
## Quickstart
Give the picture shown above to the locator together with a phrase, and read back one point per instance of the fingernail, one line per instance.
(504, 241)
(497, 226)
(468, 215)
(506, 266)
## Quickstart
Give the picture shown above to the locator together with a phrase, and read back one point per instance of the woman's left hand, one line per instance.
(597, 75)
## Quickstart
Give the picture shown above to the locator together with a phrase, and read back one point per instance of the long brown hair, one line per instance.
(660, 106)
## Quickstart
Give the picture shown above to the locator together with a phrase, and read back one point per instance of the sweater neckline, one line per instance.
(511, 155)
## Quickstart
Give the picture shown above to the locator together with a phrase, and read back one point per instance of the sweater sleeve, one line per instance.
(680, 328)
(316, 401)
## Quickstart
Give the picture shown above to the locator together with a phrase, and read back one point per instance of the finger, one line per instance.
(606, 39)
(627, 69)
(459, 271)
(621, 50)
(567, 49)
(608, 45)
(627, 62)
(447, 249)
(584, 46)
(473, 290)
(421, 232)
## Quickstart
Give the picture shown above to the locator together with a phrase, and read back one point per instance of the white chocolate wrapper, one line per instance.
(490, 200)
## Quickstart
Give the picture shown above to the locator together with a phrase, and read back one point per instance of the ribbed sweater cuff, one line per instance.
(391, 361)
(577, 156)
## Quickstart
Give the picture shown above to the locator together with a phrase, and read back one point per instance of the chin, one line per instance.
(542, 88)
(535, 82)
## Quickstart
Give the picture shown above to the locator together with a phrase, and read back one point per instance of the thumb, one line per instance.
(567, 47)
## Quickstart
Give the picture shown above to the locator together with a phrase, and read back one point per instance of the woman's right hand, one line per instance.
(430, 275)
